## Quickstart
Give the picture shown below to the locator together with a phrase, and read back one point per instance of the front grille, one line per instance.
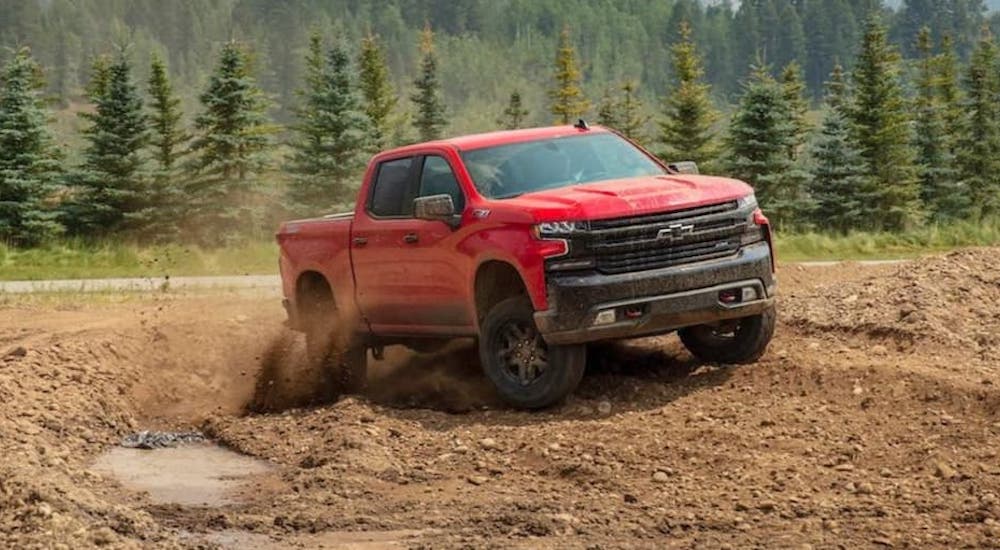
(653, 241)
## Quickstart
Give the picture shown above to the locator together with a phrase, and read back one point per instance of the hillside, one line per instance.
(487, 48)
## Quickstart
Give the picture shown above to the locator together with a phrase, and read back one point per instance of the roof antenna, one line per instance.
(581, 125)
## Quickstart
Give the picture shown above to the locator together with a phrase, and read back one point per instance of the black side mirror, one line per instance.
(435, 208)
(685, 167)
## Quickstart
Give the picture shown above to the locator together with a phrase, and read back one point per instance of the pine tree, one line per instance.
(879, 117)
(607, 110)
(332, 130)
(100, 75)
(940, 190)
(109, 186)
(686, 129)
(161, 217)
(430, 120)
(376, 91)
(624, 112)
(165, 118)
(794, 90)
(979, 148)
(28, 160)
(514, 114)
(838, 187)
(229, 151)
(568, 100)
(949, 93)
(836, 91)
(760, 135)
(632, 118)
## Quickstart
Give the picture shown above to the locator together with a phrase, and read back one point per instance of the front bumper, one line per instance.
(658, 301)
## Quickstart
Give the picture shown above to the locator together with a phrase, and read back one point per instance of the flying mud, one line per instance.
(872, 421)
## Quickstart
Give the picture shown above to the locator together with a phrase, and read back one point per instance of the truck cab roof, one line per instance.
(505, 137)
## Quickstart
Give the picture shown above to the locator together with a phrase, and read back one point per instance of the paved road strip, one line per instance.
(140, 284)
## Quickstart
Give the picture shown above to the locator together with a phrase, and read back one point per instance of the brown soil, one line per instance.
(873, 421)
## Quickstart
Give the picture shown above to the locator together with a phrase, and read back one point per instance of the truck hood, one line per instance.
(628, 197)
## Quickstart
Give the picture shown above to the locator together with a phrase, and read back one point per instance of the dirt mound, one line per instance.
(951, 300)
(872, 420)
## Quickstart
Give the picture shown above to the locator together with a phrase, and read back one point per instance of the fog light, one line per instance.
(749, 294)
(729, 296)
(605, 317)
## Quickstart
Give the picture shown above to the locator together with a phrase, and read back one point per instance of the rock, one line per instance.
(103, 536)
(845, 467)
(604, 407)
(555, 447)
(879, 349)
(476, 480)
(943, 470)
(865, 488)
(660, 476)
(882, 541)
(814, 346)
(489, 444)
(16, 353)
(45, 509)
(767, 506)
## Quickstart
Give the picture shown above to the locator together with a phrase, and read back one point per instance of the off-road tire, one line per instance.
(561, 375)
(746, 345)
(343, 360)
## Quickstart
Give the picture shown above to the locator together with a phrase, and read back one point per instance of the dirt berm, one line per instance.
(873, 421)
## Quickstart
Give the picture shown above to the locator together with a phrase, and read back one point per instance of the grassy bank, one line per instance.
(878, 246)
(76, 260)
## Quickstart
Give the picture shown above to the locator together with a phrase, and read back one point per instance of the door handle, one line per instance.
(359, 241)
(411, 238)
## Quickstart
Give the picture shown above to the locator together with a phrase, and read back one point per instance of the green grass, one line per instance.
(883, 246)
(77, 260)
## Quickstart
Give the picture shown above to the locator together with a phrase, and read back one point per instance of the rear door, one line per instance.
(410, 277)
(378, 235)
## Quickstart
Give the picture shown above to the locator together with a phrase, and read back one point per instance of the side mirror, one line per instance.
(435, 208)
(685, 167)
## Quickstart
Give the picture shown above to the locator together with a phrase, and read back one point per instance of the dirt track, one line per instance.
(873, 421)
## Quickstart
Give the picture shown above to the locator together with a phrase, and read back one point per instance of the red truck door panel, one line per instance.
(410, 279)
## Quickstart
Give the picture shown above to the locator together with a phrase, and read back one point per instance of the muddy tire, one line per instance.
(527, 373)
(735, 342)
(344, 362)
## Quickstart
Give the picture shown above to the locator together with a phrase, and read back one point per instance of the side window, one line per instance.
(390, 195)
(437, 179)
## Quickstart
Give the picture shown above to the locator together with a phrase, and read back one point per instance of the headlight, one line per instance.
(558, 229)
(753, 232)
(749, 201)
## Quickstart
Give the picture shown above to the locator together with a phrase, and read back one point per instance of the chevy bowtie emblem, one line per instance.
(675, 232)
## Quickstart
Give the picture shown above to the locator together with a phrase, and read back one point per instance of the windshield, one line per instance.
(507, 171)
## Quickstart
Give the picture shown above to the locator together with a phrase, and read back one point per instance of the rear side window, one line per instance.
(438, 179)
(390, 196)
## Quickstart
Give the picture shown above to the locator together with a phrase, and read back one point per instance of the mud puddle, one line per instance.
(201, 474)
(342, 540)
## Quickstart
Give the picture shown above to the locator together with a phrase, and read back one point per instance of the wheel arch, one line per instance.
(313, 295)
(494, 282)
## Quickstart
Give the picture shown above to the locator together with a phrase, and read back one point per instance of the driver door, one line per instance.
(411, 279)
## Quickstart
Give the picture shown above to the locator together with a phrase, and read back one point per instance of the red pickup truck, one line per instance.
(536, 242)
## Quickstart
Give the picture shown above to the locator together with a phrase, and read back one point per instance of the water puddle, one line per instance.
(190, 475)
(342, 540)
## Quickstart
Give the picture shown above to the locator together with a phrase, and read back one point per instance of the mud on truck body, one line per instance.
(536, 243)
